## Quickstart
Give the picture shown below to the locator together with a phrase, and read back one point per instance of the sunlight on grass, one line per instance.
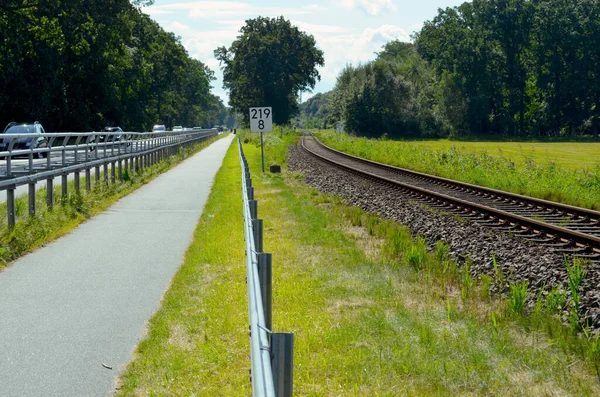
(550, 171)
(370, 319)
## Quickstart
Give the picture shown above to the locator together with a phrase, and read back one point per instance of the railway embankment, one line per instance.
(502, 256)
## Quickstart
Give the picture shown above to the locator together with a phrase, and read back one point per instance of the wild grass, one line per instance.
(518, 297)
(517, 172)
(576, 273)
(373, 311)
(30, 233)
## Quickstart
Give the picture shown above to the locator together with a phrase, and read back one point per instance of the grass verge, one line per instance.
(31, 233)
(374, 313)
(515, 171)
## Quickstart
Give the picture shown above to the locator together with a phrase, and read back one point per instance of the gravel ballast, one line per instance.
(517, 258)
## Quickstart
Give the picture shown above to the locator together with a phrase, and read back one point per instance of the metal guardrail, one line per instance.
(72, 153)
(271, 352)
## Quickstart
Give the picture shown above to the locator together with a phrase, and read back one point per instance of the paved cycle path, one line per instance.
(80, 304)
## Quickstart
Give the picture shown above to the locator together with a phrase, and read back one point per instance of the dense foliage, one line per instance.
(392, 94)
(269, 64)
(314, 112)
(82, 64)
(504, 68)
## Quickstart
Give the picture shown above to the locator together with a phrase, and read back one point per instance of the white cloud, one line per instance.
(315, 29)
(352, 48)
(370, 7)
(176, 27)
(218, 9)
(314, 7)
(212, 63)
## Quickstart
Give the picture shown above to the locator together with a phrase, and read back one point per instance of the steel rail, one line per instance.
(262, 375)
(582, 212)
(585, 240)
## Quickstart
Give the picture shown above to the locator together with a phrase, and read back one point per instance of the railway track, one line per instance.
(563, 228)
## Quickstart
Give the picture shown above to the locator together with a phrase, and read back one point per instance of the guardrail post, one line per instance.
(88, 182)
(50, 193)
(250, 190)
(265, 275)
(32, 199)
(10, 205)
(97, 174)
(253, 208)
(257, 229)
(282, 351)
(105, 166)
(65, 187)
(113, 171)
(64, 152)
(120, 165)
(77, 187)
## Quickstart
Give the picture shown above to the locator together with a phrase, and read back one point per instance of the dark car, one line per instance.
(25, 142)
(116, 134)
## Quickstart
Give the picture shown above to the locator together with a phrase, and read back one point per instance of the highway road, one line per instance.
(22, 164)
(72, 312)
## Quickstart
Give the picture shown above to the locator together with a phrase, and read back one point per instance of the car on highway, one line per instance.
(177, 128)
(116, 134)
(25, 142)
(159, 128)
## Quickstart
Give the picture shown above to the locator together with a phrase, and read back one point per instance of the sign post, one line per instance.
(261, 120)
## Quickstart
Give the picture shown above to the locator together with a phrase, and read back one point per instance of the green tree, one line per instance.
(82, 64)
(270, 64)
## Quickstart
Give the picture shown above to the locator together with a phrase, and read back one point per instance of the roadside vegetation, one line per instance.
(81, 65)
(520, 172)
(374, 313)
(487, 68)
(31, 233)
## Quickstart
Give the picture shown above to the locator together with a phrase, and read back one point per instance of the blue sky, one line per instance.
(348, 31)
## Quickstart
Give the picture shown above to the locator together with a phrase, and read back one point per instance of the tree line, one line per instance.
(505, 68)
(80, 65)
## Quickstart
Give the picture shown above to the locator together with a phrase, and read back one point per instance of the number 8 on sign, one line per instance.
(261, 119)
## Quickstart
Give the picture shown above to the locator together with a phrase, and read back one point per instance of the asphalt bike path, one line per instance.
(72, 312)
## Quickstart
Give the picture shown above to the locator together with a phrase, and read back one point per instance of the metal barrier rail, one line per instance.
(72, 153)
(271, 353)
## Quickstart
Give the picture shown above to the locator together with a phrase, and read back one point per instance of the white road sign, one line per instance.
(261, 119)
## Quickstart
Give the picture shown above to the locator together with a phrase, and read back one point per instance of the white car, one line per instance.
(177, 128)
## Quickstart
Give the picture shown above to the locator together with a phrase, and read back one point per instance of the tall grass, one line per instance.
(576, 273)
(545, 181)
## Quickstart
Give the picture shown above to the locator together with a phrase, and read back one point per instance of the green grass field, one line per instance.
(574, 156)
(374, 314)
(551, 171)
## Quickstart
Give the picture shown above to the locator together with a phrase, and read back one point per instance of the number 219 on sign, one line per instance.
(261, 119)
